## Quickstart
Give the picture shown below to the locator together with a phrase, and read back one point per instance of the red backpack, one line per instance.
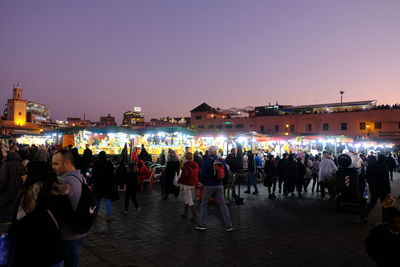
(219, 170)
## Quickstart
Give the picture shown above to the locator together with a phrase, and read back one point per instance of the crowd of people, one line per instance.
(41, 188)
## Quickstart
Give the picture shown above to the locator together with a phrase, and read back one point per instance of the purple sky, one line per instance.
(103, 57)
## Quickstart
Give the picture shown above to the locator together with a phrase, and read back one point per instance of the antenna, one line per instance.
(341, 96)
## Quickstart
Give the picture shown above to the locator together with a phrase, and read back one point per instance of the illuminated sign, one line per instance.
(137, 109)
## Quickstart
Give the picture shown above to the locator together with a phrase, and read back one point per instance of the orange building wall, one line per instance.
(389, 119)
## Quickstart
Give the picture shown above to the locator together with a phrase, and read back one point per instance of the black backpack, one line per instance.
(86, 212)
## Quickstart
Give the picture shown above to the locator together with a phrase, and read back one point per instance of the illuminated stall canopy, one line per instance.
(113, 139)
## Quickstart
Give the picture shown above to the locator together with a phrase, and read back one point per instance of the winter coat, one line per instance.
(190, 173)
(172, 169)
(104, 185)
(378, 179)
(251, 165)
(291, 175)
(390, 162)
(121, 174)
(232, 161)
(270, 171)
(36, 234)
(281, 167)
(132, 181)
(10, 183)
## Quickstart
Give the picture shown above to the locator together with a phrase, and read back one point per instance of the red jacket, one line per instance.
(143, 172)
(190, 173)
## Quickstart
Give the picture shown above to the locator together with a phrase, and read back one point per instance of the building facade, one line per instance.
(133, 119)
(107, 121)
(361, 120)
(15, 114)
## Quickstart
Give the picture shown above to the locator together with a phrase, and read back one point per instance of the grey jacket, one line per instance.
(73, 179)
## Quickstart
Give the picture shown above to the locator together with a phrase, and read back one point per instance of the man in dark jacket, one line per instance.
(379, 184)
(291, 174)
(390, 162)
(10, 183)
(232, 161)
(213, 185)
(281, 171)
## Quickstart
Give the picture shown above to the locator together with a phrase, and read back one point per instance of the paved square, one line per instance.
(281, 232)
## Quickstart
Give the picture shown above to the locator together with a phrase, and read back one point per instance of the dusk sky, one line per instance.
(169, 56)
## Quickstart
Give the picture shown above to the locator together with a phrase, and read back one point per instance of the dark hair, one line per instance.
(391, 214)
(381, 157)
(39, 171)
(66, 155)
(102, 155)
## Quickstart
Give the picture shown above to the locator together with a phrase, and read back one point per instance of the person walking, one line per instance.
(172, 169)
(308, 165)
(213, 186)
(315, 171)
(281, 171)
(103, 180)
(379, 185)
(291, 174)
(300, 178)
(131, 188)
(327, 168)
(251, 168)
(270, 177)
(390, 162)
(189, 179)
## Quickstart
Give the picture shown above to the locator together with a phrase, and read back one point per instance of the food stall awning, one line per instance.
(155, 130)
(74, 130)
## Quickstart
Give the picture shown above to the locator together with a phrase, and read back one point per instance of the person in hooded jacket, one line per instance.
(104, 186)
(11, 173)
(189, 179)
(143, 173)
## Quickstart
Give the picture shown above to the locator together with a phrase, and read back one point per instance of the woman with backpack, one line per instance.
(43, 208)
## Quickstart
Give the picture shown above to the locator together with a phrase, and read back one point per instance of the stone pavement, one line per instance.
(281, 232)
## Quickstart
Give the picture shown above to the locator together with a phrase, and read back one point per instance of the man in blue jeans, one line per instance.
(213, 185)
(63, 166)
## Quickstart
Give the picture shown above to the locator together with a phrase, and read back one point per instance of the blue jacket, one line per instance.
(207, 172)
